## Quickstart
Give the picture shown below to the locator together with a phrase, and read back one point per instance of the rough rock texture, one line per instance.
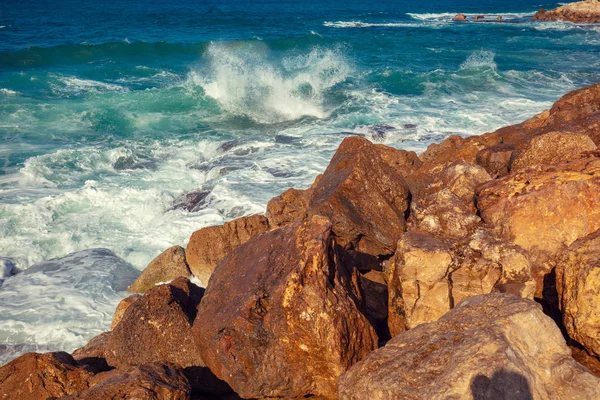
(122, 307)
(495, 346)
(36, 376)
(402, 161)
(169, 265)
(461, 178)
(578, 284)
(92, 354)
(156, 381)
(289, 325)
(496, 159)
(209, 246)
(288, 206)
(550, 148)
(582, 12)
(428, 276)
(157, 327)
(363, 197)
(545, 208)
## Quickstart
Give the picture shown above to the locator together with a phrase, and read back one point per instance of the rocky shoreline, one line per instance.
(587, 11)
(469, 271)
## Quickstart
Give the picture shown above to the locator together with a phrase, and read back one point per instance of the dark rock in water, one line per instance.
(409, 126)
(157, 327)
(43, 376)
(228, 145)
(191, 201)
(285, 139)
(132, 162)
(154, 381)
(7, 268)
(92, 259)
(280, 315)
(378, 131)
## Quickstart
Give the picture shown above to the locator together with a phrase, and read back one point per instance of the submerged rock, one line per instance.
(495, 346)
(7, 268)
(280, 316)
(169, 265)
(209, 246)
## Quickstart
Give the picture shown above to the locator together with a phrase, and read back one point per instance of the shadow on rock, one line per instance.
(503, 385)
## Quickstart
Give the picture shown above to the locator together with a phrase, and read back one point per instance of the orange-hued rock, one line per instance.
(280, 316)
(578, 285)
(92, 354)
(122, 307)
(402, 161)
(287, 207)
(544, 208)
(428, 276)
(587, 11)
(169, 265)
(494, 346)
(155, 381)
(209, 246)
(157, 328)
(550, 148)
(35, 376)
(496, 159)
(364, 198)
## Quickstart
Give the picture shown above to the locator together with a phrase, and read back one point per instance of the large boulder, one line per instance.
(495, 346)
(35, 376)
(122, 307)
(156, 381)
(209, 246)
(157, 327)
(288, 206)
(428, 276)
(364, 198)
(544, 208)
(92, 354)
(280, 315)
(578, 284)
(169, 265)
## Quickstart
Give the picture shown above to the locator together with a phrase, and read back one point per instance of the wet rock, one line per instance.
(7, 268)
(122, 307)
(581, 12)
(280, 315)
(578, 284)
(92, 354)
(169, 265)
(191, 201)
(544, 208)
(155, 381)
(209, 246)
(157, 327)
(550, 148)
(495, 346)
(379, 131)
(42, 376)
(132, 163)
(460, 17)
(428, 276)
(363, 197)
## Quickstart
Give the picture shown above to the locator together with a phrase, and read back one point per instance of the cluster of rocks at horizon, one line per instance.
(394, 276)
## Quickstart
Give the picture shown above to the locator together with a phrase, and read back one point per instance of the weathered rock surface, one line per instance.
(288, 206)
(169, 265)
(157, 327)
(545, 208)
(122, 307)
(578, 285)
(363, 197)
(582, 12)
(209, 246)
(402, 161)
(495, 346)
(92, 354)
(36, 376)
(496, 159)
(289, 325)
(428, 276)
(156, 381)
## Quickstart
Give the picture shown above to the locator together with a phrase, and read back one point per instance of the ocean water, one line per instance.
(111, 111)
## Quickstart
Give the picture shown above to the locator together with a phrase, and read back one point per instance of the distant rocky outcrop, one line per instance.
(587, 11)
(464, 272)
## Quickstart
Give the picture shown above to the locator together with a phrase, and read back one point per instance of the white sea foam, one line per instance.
(70, 85)
(450, 16)
(245, 81)
(8, 92)
(480, 59)
(360, 24)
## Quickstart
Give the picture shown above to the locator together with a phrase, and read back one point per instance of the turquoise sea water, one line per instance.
(110, 111)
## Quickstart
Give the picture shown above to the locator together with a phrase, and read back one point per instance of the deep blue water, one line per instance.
(109, 111)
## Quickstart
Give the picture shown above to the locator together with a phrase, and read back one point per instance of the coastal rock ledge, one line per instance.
(587, 11)
(470, 271)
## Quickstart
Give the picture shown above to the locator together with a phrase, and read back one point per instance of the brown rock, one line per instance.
(209, 246)
(287, 207)
(92, 354)
(461, 178)
(496, 159)
(495, 346)
(169, 265)
(157, 327)
(578, 284)
(363, 197)
(550, 148)
(156, 381)
(460, 17)
(286, 324)
(35, 376)
(375, 293)
(544, 208)
(580, 12)
(402, 161)
(427, 276)
(122, 307)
